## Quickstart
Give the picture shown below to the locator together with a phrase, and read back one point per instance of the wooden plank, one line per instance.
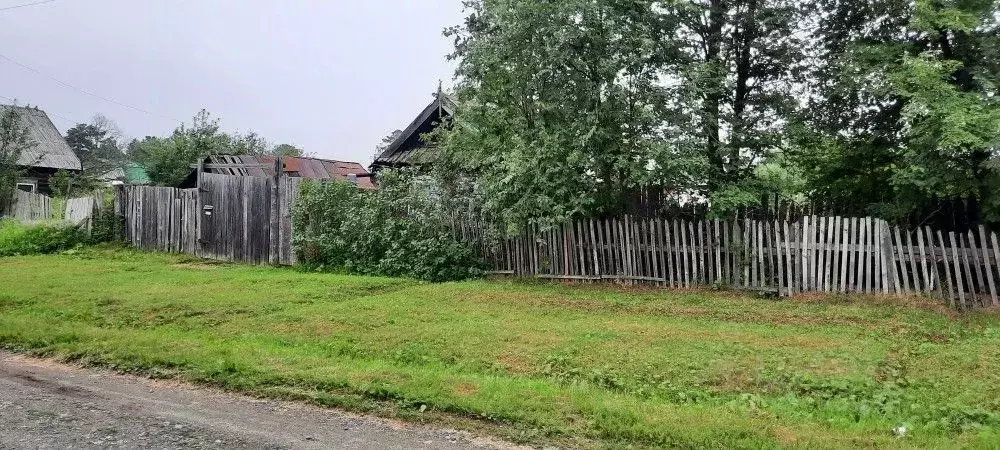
(654, 242)
(644, 246)
(754, 278)
(845, 242)
(685, 239)
(700, 239)
(594, 248)
(757, 275)
(671, 237)
(911, 258)
(925, 274)
(996, 251)
(717, 245)
(903, 275)
(581, 246)
(988, 266)
(947, 269)
(779, 253)
(746, 255)
(973, 253)
(852, 255)
(864, 270)
(827, 253)
(804, 253)
(727, 243)
(821, 246)
(959, 287)
(653, 265)
(789, 259)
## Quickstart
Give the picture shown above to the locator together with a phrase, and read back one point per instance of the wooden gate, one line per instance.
(236, 217)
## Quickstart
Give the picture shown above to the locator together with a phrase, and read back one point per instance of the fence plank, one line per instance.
(988, 266)
(902, 272)
(958, 271)
(980, 285)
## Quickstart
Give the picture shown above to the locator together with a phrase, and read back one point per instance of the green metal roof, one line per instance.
(136, 174)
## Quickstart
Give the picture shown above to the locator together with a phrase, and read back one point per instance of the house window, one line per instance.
(26, 187)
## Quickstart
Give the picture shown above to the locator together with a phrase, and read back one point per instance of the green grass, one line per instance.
(538, 363)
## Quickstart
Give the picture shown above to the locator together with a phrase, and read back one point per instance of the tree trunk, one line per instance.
(713, 92)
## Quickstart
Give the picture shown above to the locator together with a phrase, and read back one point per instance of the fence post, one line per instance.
(275, 219)
(199, 214)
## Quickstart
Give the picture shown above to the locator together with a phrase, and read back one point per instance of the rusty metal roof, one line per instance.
(310, 168)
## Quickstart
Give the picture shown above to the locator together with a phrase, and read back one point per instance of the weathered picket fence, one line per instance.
(29, 207)
(815, 254)
(229, 218)
(248, 219)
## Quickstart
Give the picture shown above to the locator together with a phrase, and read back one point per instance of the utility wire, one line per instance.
(84, 91)
(26, 5)
(67, 119)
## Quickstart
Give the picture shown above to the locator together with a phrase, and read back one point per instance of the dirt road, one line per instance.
(48, 405)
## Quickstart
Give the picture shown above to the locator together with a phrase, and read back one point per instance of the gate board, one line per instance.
(235, 218)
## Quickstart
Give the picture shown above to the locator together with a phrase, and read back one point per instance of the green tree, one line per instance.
(569, 107)
(168, 160)
(287, 150)
(901, 102)
(98, 146)
(558, 111)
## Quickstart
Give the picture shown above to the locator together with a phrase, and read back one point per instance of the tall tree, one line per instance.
(558, 98)
(901, 104)
(168, 160)
(732, 79)
(98, 146)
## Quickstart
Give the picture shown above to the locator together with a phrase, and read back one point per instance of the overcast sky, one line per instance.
(331, 76)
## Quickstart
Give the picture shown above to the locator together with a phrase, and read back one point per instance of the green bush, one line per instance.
(106, 225)
(398, 230)
(19, 239)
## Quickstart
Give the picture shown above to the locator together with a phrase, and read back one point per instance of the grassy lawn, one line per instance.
(538, 363)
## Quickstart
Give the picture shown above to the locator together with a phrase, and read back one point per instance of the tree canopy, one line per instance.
(569, 108)
(168, 160)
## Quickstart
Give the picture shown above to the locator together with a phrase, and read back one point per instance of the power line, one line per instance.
(27, 5)
(84, 91)
(58, 116)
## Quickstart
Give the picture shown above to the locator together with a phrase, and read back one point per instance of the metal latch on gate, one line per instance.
(208, 209)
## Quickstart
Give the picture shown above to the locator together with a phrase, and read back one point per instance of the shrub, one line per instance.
(19, 239)
(398, 230)
(106, 225)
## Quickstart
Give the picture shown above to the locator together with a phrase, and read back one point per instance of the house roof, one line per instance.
(312, 168)
(50, 149)
(407, 148)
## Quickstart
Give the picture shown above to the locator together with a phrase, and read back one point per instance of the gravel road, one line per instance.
(46, 405)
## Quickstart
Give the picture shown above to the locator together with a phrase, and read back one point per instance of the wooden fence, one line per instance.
(29, 207)
(248, 219)
(229, 218)
(815, 254)
(80, 211)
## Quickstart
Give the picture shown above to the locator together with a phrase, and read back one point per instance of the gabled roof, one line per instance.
(407, 149)
(50, 149)
(312, 168)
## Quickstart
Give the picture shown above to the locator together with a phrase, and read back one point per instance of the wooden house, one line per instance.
(409, 148)
(47, 154)
(301, 167)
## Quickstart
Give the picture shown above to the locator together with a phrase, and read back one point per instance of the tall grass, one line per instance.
(28, 239)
